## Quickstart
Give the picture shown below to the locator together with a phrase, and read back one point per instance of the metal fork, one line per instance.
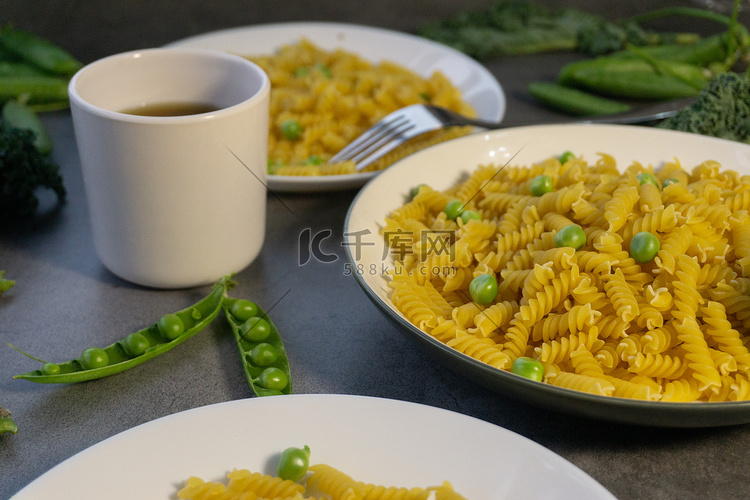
(406, 123)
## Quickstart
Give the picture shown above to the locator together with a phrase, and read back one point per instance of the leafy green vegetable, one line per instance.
(722, 109)
(23, 169)
(521, 27)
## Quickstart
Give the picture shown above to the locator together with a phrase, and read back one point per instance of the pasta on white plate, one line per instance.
(670, 326)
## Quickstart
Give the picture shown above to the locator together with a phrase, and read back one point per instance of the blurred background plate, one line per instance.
(478, 86)
(444, 165)
(380, 441)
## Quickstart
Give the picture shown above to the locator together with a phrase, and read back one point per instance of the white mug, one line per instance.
(174, 201)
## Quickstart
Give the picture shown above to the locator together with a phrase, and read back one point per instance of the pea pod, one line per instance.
(633, 78)
(262, 352)
(121, 356)
(13, 68)
(574, 101)
(38, 51)
(40, 89)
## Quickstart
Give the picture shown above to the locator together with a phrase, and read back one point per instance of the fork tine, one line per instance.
(371, 135)
(364, 160)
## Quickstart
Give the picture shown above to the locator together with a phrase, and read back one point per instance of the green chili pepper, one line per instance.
(18, 115)
(38, 51)
(6, 423)
(633, 78)
(574, 101)
(262, 352)
(124, 354)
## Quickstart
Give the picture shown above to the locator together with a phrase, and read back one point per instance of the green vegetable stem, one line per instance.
(260, 346)
(138, 347)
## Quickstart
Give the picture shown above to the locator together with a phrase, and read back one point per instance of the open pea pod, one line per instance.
(138, 347)
(261, 348)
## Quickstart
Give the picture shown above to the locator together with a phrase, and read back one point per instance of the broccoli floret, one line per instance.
(23, 169)
(722, 109)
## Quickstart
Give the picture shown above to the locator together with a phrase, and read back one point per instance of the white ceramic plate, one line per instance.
(375, 440)
(443, 165)
(424, 57)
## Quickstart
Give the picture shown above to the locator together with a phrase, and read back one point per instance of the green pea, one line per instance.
(483, 288)
(94, 357)
(135, 344)
(415, 191)
(453, 209)
(170, 326)
(291, 129)
(566, 156)
(264, 354)
(255, 329)
(643, 247)
(570, 236)
(301, 72)
(668, 182)
(243, 309)
(313, 160)
(325, 70)
(541, 184)
(528, 367)
(646, 178)
(51, 368)
(293, 463)
(273, 378)
(468, 215)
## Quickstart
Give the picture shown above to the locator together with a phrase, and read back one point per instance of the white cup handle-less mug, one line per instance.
(174, 201)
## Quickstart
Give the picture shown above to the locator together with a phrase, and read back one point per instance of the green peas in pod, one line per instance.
(528, 367)
(135, 344)
(483, 289)
(50, 368)
(274, 378)
(570, 236)
(243, 309)
(643, 247)
(540, 185)
(94, 357)
(264, 354)
(255, 329)
(171, 326)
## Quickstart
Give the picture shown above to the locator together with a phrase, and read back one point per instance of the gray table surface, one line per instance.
(338, 342)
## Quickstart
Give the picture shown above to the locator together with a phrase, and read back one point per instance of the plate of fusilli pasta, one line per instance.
(332, 81)
(611, 334)
(381, 446)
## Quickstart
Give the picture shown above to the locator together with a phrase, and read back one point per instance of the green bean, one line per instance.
(263, 355)
(39, 89)
(6, 423)
(574, 101)
(38, 51)
(122, 356)
(633, 78)
(18, 115)
(12, 68)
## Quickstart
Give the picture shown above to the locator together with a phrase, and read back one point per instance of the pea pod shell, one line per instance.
(6, 422)
(39, 89)
(38, 51)
(252, 372)
(632, 78)
(574, 101)
(195, 318)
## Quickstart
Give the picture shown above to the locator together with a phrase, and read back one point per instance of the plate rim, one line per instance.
(411, 409)
(606, 408)
(299, 184)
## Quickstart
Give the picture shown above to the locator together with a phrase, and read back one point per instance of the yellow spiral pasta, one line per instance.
(676, 328)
